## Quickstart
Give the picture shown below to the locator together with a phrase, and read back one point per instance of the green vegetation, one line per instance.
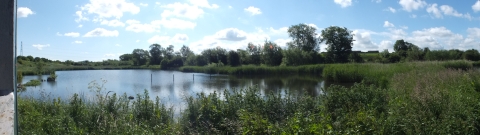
(33, 83)
(416, 98)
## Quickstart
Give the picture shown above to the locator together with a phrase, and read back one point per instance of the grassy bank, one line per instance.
(256, 70)
(417, 101)
(29, 68)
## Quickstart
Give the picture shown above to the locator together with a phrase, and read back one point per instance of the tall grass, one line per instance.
(257, 70)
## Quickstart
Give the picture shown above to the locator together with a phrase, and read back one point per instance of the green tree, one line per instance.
(40, 65)
(126, 57)
(156, 54)
(339, 41)
(472, 55)
(215, 55)
(233, 58)
(254, 54)
(169, 52)
(140, 57)
(272, 54)
(304, 37)
(400, 48)
(185, 52)
(355, 57)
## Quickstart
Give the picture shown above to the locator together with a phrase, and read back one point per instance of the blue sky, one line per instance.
(96, 30)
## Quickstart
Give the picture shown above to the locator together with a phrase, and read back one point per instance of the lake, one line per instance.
(170, 86)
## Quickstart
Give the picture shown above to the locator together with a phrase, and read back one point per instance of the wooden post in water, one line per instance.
(173, 77)
(193, 75)
(151, 79)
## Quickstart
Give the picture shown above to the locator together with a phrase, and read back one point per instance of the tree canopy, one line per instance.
(339, 41)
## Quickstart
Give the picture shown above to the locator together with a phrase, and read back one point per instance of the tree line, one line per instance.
(303, 49)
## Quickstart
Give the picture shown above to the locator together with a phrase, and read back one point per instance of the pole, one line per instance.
(151, 79)
(7, 65)
(193, 75)
(173, 77)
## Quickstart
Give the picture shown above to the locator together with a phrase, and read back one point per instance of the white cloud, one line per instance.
(253, 10)
(282, 30)
(109, 55)
(446, 10)
(80, 17)
(118, 45)
(77, 42)
(212, 41)
(388, 24)
(377, 1)
(110, 8)
(80, 26)
(136, 26)
(343, 3)
(362, 41)
(386, 44)
(154, 26)
(40, 46)
(410, 5)
(476, 6)
(230, 7)
(432, 9)
(58, 34)
(282, 42)
(393, 10)
(143, 4)
(113, 23)
(182, 10)
(203, 3)
(231, 34)
(24, 12)
(167, 40)
(413, 16)
(101, 32)
(137, 41)
(180, 37)
(174, 23)
(72, 34)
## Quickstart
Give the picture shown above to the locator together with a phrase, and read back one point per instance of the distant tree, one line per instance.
(156, 54)
(233, 58)
(400, 47)
(140, 56)
(40, 66)
(30, 58)
(471, 55)
(215, 55)
(254, 54)
(295, 57)
(303, 37)
(385, 55)
(355, 57)
(185, 52)
(414, 53)
(339, 41)
(169, 52)
(126, 57)
(272, 54)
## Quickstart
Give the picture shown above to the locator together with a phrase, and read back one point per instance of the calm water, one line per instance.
(170, 86)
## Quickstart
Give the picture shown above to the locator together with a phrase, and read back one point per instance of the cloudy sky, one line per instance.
(104, 29)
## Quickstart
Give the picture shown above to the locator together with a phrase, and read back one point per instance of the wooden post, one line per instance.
(8, 92)
(193, 75)
(173, 77)
(151, 79)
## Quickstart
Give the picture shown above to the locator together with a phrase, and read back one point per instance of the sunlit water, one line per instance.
(171, 86)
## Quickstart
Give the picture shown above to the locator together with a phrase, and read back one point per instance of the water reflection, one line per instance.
(171, 86)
